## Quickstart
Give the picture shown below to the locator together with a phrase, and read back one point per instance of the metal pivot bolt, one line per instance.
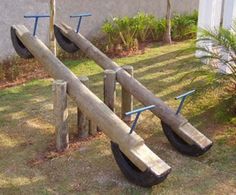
(138, 112)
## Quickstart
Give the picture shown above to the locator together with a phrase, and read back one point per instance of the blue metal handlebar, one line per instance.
(36, 17)
(138, 112)
(183, 98)
(80, 16)
(185, 94)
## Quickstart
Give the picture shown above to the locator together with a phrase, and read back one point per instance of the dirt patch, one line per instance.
(51, 152)
(18, 71)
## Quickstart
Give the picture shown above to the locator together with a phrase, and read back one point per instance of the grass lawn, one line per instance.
(29, 166)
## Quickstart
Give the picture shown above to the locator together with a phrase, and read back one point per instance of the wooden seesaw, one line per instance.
(181, 134)
(138, 163)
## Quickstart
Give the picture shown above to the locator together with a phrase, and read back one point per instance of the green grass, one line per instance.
(26, 131)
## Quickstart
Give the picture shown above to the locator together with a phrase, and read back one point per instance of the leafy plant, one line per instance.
(127, 29)
(121, 31)
(222, 48)
(127, 32)
(184, 26)
(144, 24)
(157, 29)
(111, 32)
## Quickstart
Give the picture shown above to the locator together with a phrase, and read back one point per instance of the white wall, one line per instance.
(12, 12)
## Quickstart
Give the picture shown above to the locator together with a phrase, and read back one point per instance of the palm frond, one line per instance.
(219, 45)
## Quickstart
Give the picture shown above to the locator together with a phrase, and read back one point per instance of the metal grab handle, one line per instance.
(80, 16)
(138, 112)
(183, 98)
(36, 17)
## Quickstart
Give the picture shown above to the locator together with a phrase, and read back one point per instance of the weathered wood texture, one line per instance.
(82, 119)
(131, 145)
(178, 123)
(110, 89)
(127, 98)
(53, 45)
(93, 128)
(60, 114)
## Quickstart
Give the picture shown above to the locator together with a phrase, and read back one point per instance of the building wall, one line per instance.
(12, 12)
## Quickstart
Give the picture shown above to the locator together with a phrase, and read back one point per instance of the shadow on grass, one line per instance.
(159, 59)
(35, 101)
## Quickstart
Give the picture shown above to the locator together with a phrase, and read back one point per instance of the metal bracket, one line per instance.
(138, 112)
(36, 17)
(80, 16)
(183, 98)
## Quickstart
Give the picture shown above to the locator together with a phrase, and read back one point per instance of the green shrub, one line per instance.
(184, 26)
(144, 24)
(128, 32)
(223, 42)
(111, 32)
(157, 29)
(127, 29)
(121, 31)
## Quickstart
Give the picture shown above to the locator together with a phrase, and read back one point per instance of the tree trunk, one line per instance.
(52, 39)
(167, 34)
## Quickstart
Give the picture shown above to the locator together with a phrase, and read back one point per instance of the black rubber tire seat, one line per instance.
(134, 174)
(180, 145)
(19, 47)
(64, 42)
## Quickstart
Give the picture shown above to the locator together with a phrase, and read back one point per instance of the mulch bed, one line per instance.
(31, 69)
(27, 70)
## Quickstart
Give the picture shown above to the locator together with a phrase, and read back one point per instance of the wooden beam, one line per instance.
(60, 114)
(178, 123)
(131, 145)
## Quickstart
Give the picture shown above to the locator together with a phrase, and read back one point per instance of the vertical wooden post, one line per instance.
(127, 98)
(60, 114)
(110, 88)
(93, 129)
(82, 120)
(52, 39)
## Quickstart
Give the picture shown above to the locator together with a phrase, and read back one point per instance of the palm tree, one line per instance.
(167, 34)
(223, 43)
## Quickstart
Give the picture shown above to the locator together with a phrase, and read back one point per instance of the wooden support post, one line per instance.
(60, 114)
(52, 40)
(110, 88)
(93, 129)
(127, 98)
(82, 120)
